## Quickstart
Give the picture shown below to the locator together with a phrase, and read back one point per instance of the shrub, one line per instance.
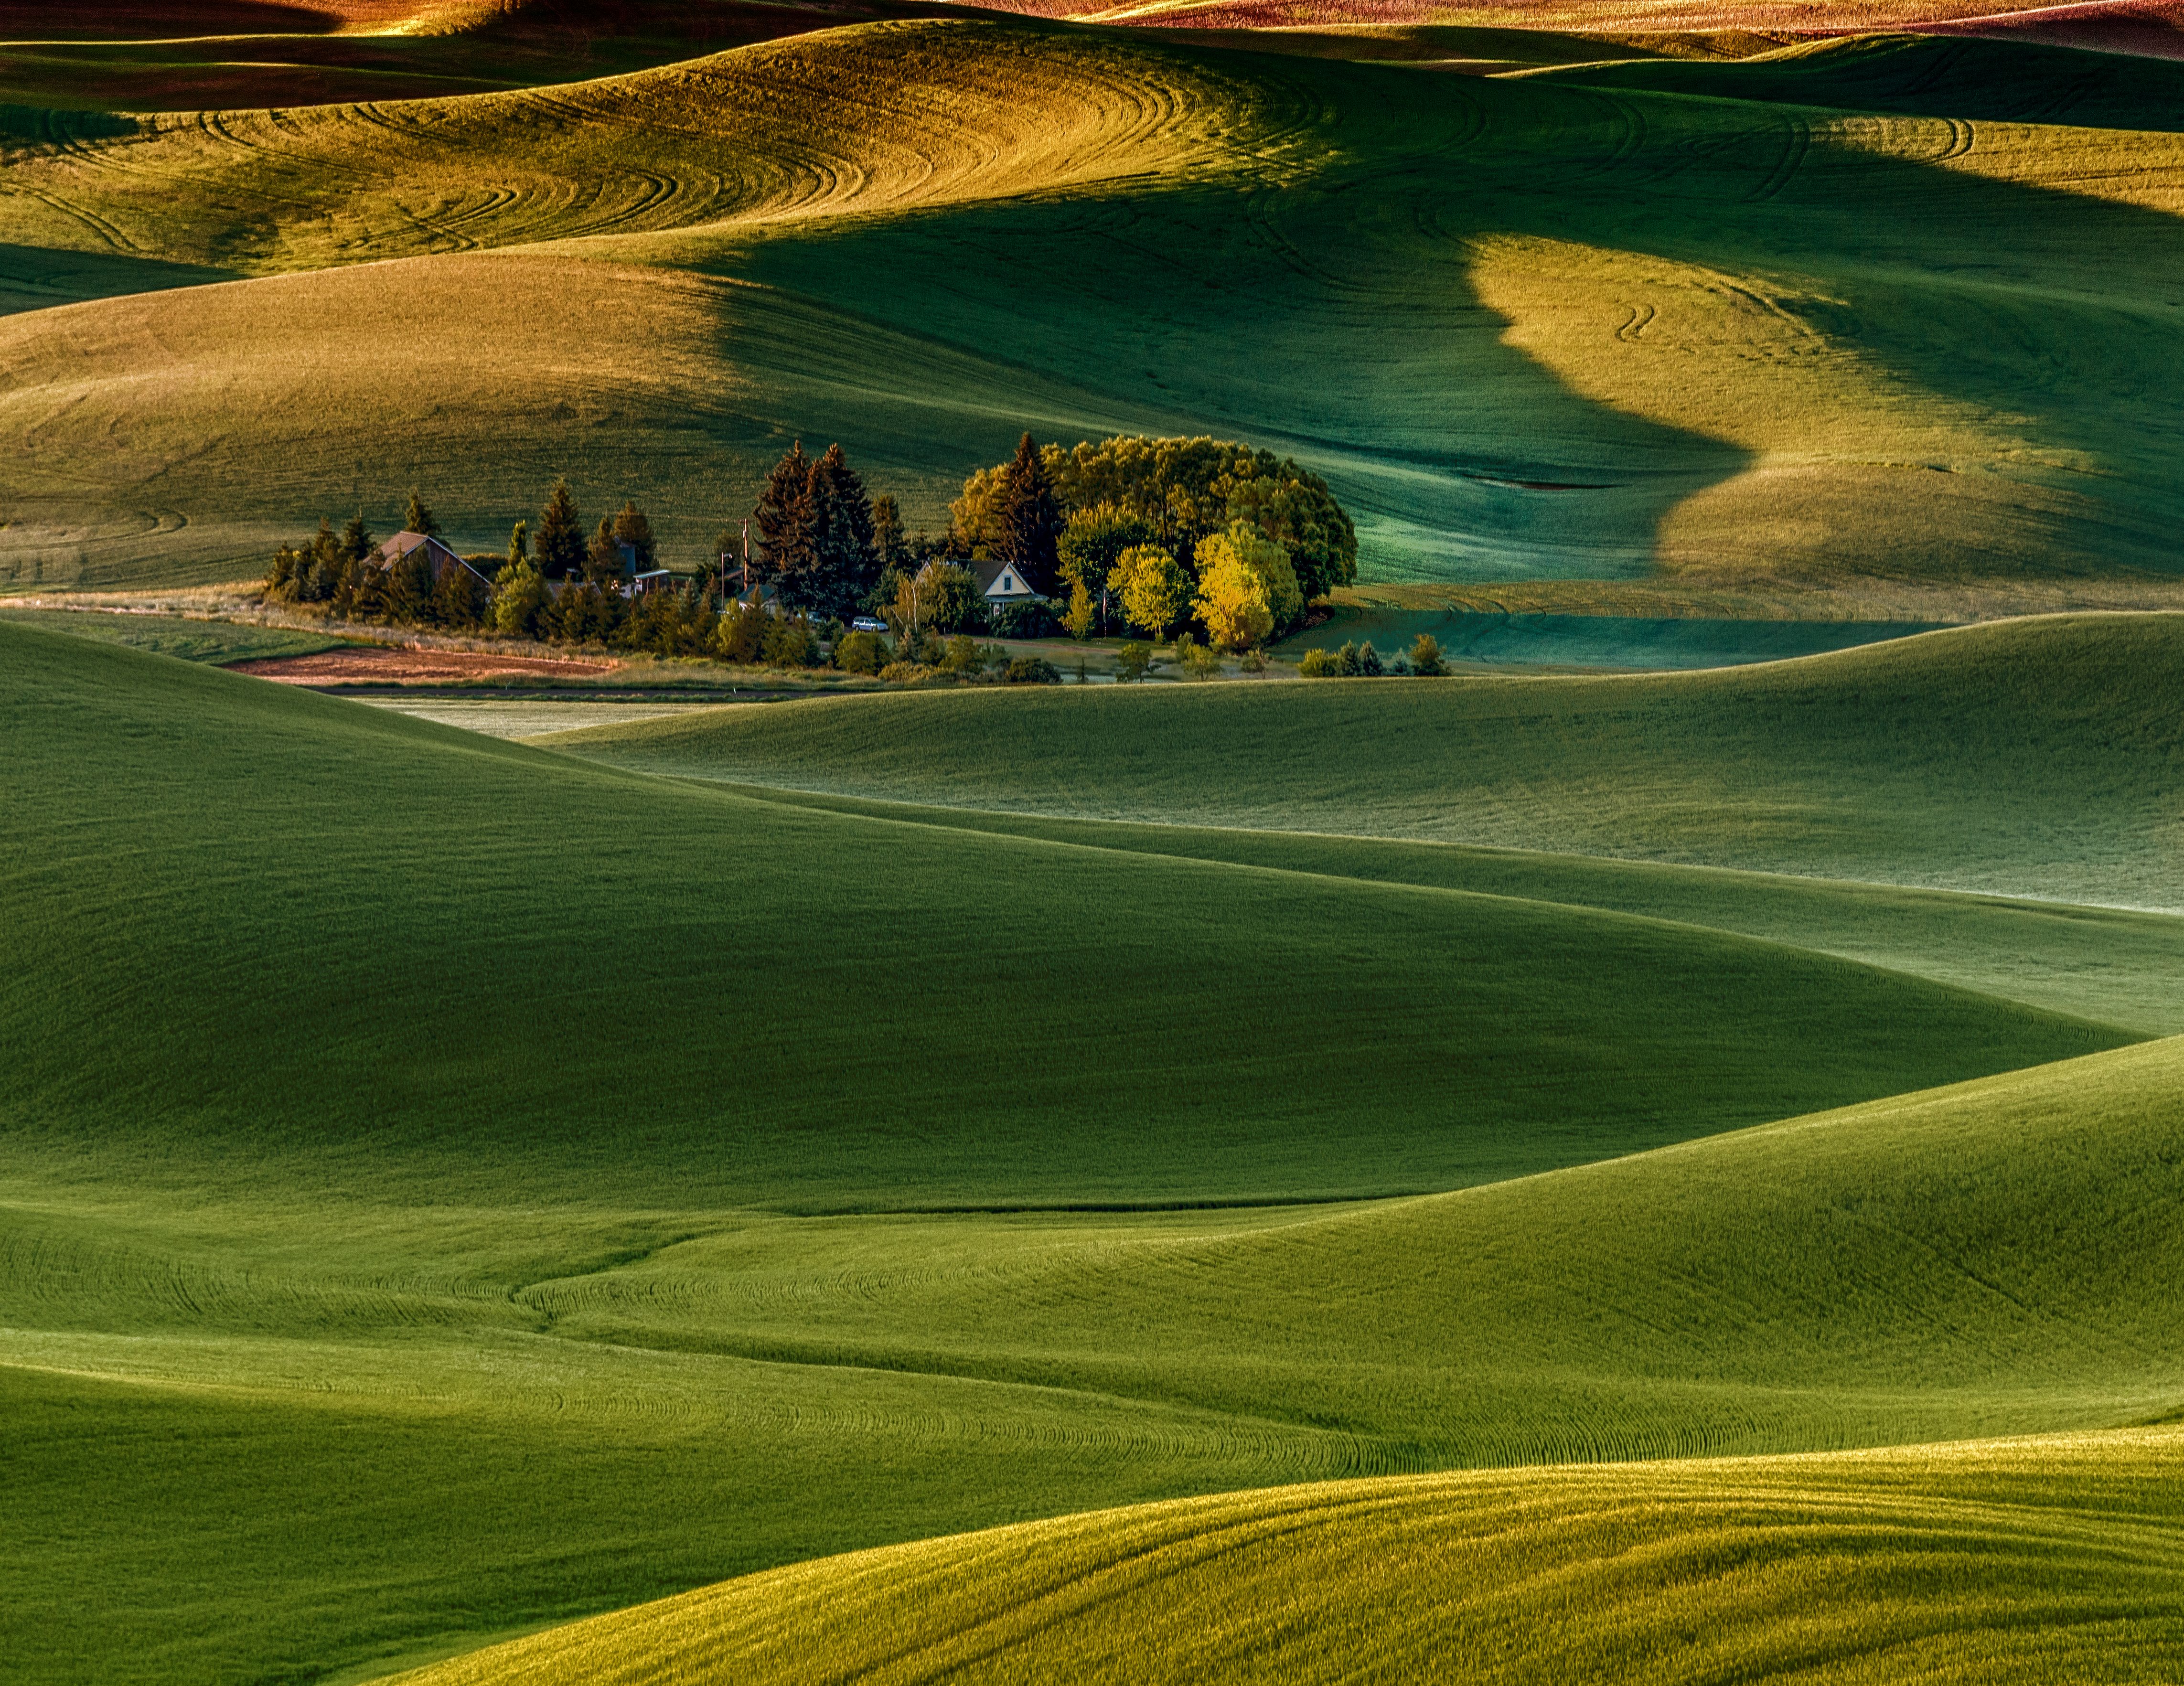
(1320, 665)
(861, 653)
(1254, 661)
(460, 599)
(1197, 660)
(741, 636)
(584, 614)
(1034, 620)
(1132, 660)
(902, 672)
(963, 656)
(945, 598)
(789, 643)
(1030, 671)
(1425, 657)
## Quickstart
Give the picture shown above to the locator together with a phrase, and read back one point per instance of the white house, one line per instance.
(1003, 583)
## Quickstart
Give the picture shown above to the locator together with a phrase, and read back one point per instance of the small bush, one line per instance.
(741, 636)
(963, 656)
(1132, 660)
(1034, 620)
(1197, 660)
(1425, 657)
(902, 672)
(1254, 661)
(861, 653)
(789, 643)
(1030, 671)
(1320, 665)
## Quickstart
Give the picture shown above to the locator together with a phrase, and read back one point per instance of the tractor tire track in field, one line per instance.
(1797, 141)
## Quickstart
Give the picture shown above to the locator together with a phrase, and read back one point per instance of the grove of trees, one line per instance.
(1168, 537)
(1133, 527)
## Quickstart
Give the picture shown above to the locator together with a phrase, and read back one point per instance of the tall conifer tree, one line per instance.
(418, 519)
(633, 528)
(1029, 518)
(559, 544)
(784, 518)
(844, 565)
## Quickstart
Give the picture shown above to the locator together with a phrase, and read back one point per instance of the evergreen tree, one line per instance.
(460, 599)
(844, 565)
(603, 560)
(1028, 518)
(633, 528)
(784, 518)
(356, 540)
(519, 544)
(888, 533)
(560, 541)
(418, 519)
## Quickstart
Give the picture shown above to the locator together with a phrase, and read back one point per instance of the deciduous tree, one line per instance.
(1153, 587)
(1246, 587)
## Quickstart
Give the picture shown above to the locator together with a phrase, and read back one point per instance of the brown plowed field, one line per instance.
(410, 667)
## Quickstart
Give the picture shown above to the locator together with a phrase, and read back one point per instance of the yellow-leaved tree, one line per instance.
(1246, 587)
(1154, 587)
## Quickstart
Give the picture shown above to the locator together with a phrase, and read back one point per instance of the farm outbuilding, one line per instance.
(405, 545)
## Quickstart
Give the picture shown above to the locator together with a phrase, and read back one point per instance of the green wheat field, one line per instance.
(1654, 1155)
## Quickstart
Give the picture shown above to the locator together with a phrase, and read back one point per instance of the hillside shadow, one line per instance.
(1324, 303)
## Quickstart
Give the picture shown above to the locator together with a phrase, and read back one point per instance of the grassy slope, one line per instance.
(2119, 966)
(2026, 1561)
(500, 920)
(1590, 640)
(2036, 756)
(384, 1272)
(210, 1379)
(219, 641)
(1695, 331)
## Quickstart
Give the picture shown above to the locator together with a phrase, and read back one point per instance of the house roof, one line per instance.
(403, 543)
(991, 576)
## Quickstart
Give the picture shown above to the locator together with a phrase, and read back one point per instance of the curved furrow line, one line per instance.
(1797, 143)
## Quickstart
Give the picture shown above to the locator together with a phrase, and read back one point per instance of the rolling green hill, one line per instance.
(1518, 1177)
(410, 937)
(2034, 757)
(557, 1407)
(1985, 1561)
(448, 1188)
(1722, 337)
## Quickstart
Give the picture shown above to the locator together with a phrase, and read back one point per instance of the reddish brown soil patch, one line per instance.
(409, 667)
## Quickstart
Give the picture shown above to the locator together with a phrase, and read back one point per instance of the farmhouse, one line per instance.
(1002, 584)
(405, 545)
